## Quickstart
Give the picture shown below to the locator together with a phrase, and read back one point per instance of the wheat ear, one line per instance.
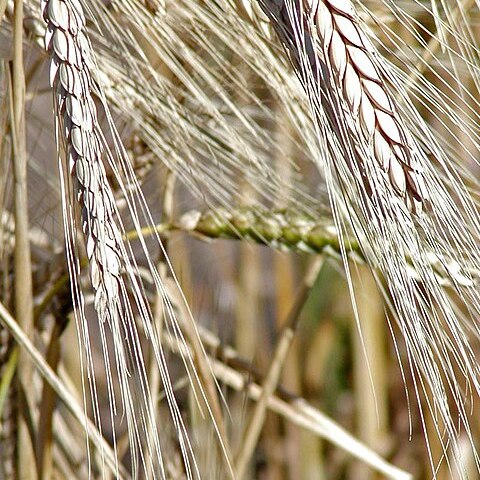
(77, 115)
(369, 103)
(362, 110)
(374, 167)
(110, 259)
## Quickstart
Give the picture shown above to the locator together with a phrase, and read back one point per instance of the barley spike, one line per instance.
(380, 178)
(109, 257)
(345, 62)
(76, 112)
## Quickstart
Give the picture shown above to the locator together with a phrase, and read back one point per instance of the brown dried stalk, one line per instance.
(22, 255)
(272, 379)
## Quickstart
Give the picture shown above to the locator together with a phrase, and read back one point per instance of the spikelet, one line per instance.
(380, 177)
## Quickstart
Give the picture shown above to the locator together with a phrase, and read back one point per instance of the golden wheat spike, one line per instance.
(342, 57)
(77, 116)
(119, 297)
(377, 162)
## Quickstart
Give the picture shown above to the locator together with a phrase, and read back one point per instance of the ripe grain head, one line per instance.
(380, 178)
(119, 296)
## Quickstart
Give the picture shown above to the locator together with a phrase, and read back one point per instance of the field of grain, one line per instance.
(239, 239)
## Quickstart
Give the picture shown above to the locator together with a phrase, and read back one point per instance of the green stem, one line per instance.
(7, 376)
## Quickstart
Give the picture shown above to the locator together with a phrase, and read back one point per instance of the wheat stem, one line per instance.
(8, 372)
(272, 378)
(296, 410)
(22, 259)
(45, 440)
